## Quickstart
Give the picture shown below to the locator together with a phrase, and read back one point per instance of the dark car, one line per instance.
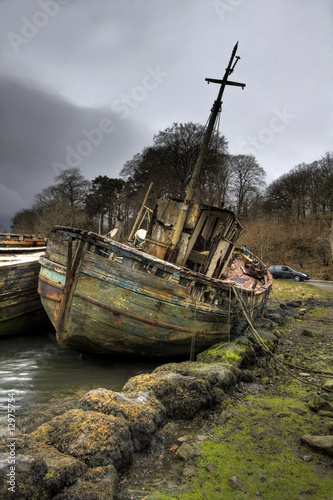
(287, 273)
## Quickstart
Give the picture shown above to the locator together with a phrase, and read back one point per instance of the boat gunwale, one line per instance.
(142, 257)
(20, 261)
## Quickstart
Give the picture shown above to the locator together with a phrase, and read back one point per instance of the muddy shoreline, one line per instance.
(152, 439)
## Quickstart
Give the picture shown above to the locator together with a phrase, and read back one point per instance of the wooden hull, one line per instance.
(21, 310)
(132, 303)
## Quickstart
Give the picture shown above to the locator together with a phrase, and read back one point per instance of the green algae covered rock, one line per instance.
(90, 436)
(227, 353)
(186, 452)
(317, 403)
(328, 384)
(321, 443)
(142, 411)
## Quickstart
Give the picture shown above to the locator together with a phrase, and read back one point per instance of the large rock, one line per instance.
(182, 396)
(290, 309)
(90, 436)
(97, 484)
(328, 384)
(276, 314)
(218, 374)
(318, 403)
(294, 303)
(41, 471)
(321, 443)
(142, 411)
(229, 353)
(186, 452)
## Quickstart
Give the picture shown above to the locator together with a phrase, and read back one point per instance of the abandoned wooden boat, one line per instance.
(21, 310)
(21, 243)
(183, 291)
(104, 296)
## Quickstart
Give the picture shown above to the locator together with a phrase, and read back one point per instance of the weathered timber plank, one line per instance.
(174, 312)
(126, 335)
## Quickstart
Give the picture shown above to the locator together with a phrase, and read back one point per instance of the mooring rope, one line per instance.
(229, 315)
(192, 350)
(264, 347)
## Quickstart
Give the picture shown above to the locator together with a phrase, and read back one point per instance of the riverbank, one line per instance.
(229, 426)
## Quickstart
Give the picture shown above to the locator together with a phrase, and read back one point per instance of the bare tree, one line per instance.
(246, 182)
(62, 203)
(72, 189)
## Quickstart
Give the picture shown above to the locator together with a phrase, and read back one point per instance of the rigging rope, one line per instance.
(261, 343)
(192, 350)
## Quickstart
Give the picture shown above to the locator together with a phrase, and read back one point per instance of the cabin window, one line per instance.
(184, 281)
(161, 273)
(97, 250)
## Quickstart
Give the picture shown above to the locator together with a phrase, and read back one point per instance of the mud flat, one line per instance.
(239, 421)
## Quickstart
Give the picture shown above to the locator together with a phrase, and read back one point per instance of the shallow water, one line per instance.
(46, 380)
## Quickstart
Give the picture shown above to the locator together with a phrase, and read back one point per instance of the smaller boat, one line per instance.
(21, 310)
(17, 243)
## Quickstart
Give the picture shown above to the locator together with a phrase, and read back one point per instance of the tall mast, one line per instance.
(172, 254)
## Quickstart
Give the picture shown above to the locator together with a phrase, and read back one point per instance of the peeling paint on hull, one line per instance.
(106, 318)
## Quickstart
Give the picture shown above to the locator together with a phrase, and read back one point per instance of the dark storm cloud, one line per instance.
(43, 134)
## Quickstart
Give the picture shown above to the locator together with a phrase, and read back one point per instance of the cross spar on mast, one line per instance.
(172, 253)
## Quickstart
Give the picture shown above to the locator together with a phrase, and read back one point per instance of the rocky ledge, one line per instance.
(79, 455)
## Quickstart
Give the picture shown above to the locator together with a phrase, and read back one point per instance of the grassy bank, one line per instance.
(284, 290)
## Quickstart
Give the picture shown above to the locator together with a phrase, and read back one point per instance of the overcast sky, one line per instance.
(88, 83)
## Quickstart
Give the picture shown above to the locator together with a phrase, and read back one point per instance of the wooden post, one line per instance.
(136, 223)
